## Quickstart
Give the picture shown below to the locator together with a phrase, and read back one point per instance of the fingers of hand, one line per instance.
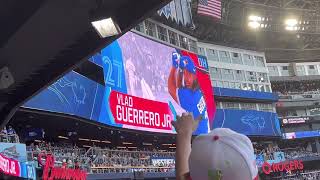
(195, 125)
(174, 124)
(198, 118)
(185, 114)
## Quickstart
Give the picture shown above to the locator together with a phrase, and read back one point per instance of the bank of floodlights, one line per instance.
(257, 22)
(254, 21)
(291, 24)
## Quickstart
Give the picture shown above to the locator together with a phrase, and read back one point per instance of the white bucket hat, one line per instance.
(222, 155)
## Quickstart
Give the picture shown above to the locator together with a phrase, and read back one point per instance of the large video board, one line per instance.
(146, 85)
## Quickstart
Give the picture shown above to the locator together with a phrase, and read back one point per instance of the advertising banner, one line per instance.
(301, 134)
(13, 161)
(15, 151)
(163, 162)
(146, 85)
(291, 135)
(28, 170)
(286, 166)
(9, 166)
(295, 120)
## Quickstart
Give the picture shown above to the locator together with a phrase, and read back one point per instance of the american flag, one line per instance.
(210, 8)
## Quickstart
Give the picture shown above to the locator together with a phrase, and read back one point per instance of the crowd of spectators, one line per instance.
(267, 150)
(66, 155)
(298, 152)
(104, 160)
(306, 175)
(296, 87)
(122, 160)
(9, 135)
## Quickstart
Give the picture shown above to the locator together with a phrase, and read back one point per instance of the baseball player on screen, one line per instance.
(184, 88)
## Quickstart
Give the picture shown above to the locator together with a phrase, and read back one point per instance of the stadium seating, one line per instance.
(100, 160)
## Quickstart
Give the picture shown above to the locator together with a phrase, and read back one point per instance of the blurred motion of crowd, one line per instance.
(104, 160)
(306, 175)
(298, 152)
(296, 87)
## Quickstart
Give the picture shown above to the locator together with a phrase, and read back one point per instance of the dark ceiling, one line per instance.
(278, 44)
(41, 40)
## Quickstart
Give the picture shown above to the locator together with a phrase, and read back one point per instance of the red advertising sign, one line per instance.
(282, 166)
(9, 166)
(135, 111)
(50, 172)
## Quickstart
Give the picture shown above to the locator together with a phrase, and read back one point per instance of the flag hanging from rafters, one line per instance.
(210, 8)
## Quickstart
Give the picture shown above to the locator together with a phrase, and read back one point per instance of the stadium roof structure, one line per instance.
(41, 40)
(302, 43)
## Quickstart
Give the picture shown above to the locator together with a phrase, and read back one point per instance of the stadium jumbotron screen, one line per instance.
(146, 85)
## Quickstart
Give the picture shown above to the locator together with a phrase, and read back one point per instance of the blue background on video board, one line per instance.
(248, 122)
(72, 94)
(305, 134)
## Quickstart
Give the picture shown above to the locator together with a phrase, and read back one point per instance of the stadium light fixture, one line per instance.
(106, 27)
(108, 142)
(62, 137)
(86, 146)
(291, 24)
(126, 143)
(121, 147)
(83, 139)
(254, 25)
(132, 147)
(147, 144)
(256, 22)
(93, 140)
(172, 147)
(255, 18)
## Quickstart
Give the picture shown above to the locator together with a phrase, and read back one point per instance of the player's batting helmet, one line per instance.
(187, 63)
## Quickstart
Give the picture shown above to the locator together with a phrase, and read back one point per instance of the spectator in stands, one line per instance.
(231, 155)
(4, 135)
(64, 163)
(37, 149)
(297, 87)
(12, 135)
